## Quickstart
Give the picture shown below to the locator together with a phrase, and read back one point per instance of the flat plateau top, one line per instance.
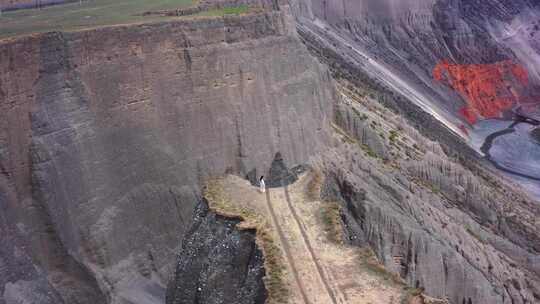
(92, 13)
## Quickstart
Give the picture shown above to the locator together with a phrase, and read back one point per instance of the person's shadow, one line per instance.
(279, 174)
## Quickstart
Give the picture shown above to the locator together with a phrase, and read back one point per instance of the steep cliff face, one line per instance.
(457, 234)
(456, 70)
(414, 35)
(22, 281)
(218, 263)
(106, 135)
(408, 46)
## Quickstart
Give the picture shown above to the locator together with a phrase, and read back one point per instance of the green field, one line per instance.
(90, 13)
(241, 9)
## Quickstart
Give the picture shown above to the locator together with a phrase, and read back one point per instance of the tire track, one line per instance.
(340, 295)
(308, 245)
(286, 247)
(318, 271)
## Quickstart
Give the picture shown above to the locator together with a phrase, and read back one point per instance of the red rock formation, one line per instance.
(489, 89)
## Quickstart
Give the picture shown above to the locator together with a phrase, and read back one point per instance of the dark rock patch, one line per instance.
(218, 263)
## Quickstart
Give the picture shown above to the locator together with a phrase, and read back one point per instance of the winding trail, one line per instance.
(306, 270)
(318, 271)
(286, 247)
(305, 238)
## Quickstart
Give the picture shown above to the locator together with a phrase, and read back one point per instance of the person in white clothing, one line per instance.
(261, 184)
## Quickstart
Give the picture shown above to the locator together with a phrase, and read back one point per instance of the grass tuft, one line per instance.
(410, 295)
(313, 188)
(416, 296)
(331, 220)
(367, 149)
(344, 136)
(393, 135)
(469, 229)
(369, 261)
(235, 10)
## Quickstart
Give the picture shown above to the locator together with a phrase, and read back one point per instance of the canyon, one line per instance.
(117, 138)
(109, 137)
(461, 61)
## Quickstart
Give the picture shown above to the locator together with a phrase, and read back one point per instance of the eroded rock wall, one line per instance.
(401, 42)
(22, 281)
(107, 134)
(218, 263)
(456, 234)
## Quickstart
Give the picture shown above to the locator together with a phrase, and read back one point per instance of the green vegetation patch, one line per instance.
(236, 10)
(477, 236)
(360, 115)
(411, 294)
(393, 135)
(344, 136)
(91, 13)
(313, 188)
(369, 152)
(368, 260)
(331, 219)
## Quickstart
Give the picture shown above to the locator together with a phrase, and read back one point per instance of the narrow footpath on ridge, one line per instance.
(319, 271)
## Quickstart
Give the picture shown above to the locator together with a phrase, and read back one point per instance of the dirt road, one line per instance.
(319, 271)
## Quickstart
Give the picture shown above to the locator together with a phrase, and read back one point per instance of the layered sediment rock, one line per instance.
(107, 134)
(438, 221)
(22, 281)
(404, 45)
(454, 234)
(218, 263)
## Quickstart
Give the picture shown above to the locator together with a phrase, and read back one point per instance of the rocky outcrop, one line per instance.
(490, 90)
(218, 263)
(440, 227)
(415, 35)
(429, 125)
(402, 47)
(107, 134)
(438, 221)
(22, 281)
